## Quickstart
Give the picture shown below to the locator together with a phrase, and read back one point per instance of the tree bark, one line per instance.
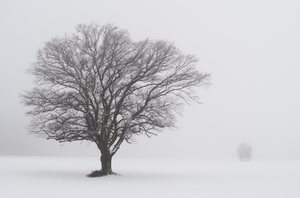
(106, 159)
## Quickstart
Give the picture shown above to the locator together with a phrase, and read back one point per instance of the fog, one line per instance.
(250, 48)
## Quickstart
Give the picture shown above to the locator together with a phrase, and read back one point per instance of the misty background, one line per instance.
(251, 49)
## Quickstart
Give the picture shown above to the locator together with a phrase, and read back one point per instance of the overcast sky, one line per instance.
(251, 48)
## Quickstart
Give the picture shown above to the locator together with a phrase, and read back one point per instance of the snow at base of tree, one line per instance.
(50, 177)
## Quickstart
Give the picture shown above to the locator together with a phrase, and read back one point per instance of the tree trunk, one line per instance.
(106, 163)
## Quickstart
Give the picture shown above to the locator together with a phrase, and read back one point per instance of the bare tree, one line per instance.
(99, 85)
(244, 152)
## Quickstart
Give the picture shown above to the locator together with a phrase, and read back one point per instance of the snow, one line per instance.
(54, 177)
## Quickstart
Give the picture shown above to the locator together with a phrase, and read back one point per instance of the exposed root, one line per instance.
(100, 173)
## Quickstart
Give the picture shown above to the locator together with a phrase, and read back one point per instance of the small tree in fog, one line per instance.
(100, 86)
(244, 152)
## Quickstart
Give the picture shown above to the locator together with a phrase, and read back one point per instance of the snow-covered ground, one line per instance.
(52, 177)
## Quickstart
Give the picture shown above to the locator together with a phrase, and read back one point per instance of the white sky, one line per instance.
(251, 48)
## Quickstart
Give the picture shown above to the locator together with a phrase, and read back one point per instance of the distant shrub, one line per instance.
(244, 152)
